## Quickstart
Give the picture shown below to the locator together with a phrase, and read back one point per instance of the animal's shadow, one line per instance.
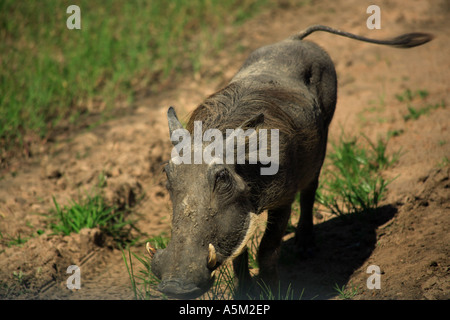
(343, 244)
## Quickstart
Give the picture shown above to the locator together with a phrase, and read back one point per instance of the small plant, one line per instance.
(346, 293)
(12, 241)
(19, 240)
(415, 113)
(408, 95)
(378, 159)
(351, 182)
(19, 285)
(87, 213)
(224, 287)
(142, 282)
(91, 212)
(395, 133)
(266, 293)
(445, 161)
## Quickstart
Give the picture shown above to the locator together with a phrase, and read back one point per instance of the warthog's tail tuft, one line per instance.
(407, 40)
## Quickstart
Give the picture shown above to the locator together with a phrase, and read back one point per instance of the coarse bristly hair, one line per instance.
(230, 107)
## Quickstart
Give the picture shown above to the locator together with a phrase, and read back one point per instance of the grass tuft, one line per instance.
(351, 181)
(416, 113)
(91, 212)
(346, 293)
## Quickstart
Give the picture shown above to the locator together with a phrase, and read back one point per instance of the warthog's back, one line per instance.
(300, 66)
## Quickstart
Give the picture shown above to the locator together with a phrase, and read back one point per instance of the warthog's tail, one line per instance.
(407, 40)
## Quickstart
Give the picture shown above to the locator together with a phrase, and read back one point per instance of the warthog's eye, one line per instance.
(221, 175)
(222, 181)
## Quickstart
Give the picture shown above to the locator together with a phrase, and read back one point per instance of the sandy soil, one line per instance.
(408, 238)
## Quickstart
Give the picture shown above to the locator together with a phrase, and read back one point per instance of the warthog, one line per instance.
(289, 86)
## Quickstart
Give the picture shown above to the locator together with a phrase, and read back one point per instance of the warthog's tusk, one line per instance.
(151, 251)
(212, 258)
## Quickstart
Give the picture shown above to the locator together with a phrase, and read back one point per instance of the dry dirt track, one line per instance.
(408, 239)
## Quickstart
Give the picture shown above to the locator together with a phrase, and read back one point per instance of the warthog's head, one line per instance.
(212, 220)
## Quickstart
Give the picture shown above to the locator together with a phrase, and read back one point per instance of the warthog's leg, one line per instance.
(304, 235)
(269, 249)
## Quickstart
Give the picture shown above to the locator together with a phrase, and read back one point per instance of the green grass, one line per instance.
(344, 292)
(51, 75)
(10, 241)
(145, 280)
(91, 212)
(351, 180)
(445, 161)
(415, 113)
(408, 95)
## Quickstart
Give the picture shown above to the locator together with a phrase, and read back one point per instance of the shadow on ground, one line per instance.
(343, 244)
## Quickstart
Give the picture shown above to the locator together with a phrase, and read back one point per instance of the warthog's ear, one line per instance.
(253, 122)
(174, 123)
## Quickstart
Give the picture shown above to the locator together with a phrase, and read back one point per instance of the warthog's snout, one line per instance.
(178, 289)
(182, 279)
(174, 287)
